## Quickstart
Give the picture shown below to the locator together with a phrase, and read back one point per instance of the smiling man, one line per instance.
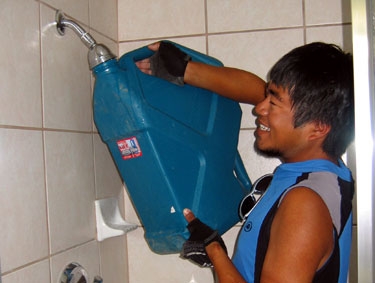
(300, 230)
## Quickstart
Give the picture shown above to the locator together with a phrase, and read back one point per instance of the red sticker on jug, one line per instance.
(129, 148)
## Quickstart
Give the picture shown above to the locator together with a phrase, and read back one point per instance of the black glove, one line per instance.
(169, 63)
(201, 235)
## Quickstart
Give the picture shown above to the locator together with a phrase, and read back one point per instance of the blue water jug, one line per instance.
(174, 146)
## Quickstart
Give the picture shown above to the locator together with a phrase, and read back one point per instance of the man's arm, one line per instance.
(301, 238)
(236, 84)
(239, 85)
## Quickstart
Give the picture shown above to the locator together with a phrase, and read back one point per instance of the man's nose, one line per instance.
(261, 109)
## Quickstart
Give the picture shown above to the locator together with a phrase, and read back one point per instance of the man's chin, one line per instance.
(267, 152)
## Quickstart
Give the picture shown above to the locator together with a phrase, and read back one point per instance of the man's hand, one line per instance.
(144, 65)
(168, 62)
(201, 236)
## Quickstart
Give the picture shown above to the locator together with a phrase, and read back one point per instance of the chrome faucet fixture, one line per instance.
(98, 53)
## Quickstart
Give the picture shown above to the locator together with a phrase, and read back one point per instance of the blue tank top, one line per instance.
(253, 239)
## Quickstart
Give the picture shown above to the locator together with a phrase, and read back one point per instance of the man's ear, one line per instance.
(319, 130)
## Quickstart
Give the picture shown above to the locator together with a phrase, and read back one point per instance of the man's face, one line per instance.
(275, 133)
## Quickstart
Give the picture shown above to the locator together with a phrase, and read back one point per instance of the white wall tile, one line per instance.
(143, 19)
(66, 78)
(23, 234)
(86, 255)
(327, 12)
(70, 185)
(20, 88)
(241, 15)
(35, 273)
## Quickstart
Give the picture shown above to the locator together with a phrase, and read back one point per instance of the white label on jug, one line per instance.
(129, 148)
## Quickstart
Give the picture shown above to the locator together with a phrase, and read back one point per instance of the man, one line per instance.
(300, 231)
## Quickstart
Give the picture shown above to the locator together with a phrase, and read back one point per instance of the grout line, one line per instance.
(49, 257)
(206, 26)
(43, 134)
(26, 128)
(207, 34)
(304, 21)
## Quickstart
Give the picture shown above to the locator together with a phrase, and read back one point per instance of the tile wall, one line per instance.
(53, 164)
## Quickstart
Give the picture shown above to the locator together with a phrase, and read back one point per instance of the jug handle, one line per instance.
(128, 59)
(241, 174)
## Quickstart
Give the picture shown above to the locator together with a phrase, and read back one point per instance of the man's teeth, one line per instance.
(264, 128)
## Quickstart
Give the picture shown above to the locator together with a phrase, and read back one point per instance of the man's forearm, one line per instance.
(232, 83)
(223, 266)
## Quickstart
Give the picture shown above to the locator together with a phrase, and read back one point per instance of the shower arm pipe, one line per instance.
(98, 53)
(63, 23)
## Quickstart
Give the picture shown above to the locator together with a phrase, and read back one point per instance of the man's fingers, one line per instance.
(144, 66)
(154, 46)
(189, 215)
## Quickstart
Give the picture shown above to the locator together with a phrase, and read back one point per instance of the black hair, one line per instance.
(319, 78)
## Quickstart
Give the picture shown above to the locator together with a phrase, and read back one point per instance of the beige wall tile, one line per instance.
(38, 272)
(70, 185)
(162, 268)
(256, 52)
(242, 15)
(78, 10)
(130, 212)
(114, 260)
(61, 64)
(108, 182)
(112, 45)
(255, 164)
(66, 78)
(353, 271)
(197, 43)
(144, 19)
(327, 12)
(100, 13)
(87, 255)
(20, 88)
(23, 236)
(340, 35)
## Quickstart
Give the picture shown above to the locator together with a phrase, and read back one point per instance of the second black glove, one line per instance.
(201, 235)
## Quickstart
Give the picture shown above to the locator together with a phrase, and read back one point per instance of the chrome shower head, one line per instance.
(98, 53)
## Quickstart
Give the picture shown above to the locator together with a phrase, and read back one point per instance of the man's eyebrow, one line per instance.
(274, 93)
